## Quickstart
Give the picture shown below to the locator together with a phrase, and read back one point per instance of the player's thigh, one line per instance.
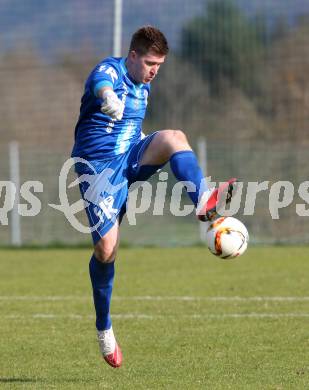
(163, 146)
(105, 249)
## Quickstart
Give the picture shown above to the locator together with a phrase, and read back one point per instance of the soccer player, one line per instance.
(109, 138)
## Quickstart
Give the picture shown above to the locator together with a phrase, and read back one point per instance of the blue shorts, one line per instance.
(104, 186)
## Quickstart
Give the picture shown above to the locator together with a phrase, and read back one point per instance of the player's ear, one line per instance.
(132, 54)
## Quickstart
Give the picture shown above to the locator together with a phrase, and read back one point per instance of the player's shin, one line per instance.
(185, 167)
(102, 277)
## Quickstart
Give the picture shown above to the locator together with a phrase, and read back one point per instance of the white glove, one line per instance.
(111, 105)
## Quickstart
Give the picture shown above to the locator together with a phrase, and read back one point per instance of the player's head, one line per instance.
(148, 49)
(149, 39)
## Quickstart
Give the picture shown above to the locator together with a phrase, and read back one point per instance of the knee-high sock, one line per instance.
(185, 167)
(102, 277)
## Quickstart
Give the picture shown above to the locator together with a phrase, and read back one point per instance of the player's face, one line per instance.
(144, 68)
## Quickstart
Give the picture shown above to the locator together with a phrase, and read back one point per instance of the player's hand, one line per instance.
(111, 105)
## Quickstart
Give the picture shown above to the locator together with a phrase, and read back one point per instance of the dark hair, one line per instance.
(148, 39)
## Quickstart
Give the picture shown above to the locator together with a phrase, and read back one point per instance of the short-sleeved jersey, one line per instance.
(97, 136)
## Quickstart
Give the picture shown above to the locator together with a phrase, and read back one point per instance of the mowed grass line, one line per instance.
(167, 343)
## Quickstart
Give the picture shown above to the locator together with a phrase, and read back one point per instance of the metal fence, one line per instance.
(236, 76)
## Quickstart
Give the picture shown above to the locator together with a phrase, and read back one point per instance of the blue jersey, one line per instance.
(97, 136)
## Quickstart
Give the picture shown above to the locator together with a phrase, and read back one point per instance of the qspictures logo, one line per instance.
(143, 197)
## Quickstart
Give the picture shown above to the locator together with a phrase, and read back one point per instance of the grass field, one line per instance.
(184, 320)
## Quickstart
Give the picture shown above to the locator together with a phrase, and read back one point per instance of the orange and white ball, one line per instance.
(227, 237)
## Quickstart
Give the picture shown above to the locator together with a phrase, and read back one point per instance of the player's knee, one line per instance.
(105, 252)
(170, 137)
(180, 135)
(172, 134)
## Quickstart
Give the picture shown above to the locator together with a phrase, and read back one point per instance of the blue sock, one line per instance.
(185, 167)
(102, 277)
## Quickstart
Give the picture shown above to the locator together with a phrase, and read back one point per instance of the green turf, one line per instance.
(48, 341)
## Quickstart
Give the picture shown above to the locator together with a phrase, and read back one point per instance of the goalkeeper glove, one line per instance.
(111, 105)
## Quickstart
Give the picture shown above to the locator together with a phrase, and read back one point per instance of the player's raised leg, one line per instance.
(102, 269)
(173, 146)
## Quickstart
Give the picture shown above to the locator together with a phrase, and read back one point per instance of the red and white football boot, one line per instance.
(207, 207)
(109, 348)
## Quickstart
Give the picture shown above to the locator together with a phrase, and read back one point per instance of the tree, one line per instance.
(223, 44)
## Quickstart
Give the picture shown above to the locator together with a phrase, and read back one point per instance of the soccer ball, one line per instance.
(227, 237)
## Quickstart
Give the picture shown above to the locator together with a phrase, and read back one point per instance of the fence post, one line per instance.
(117, 28)
(202, 157)
(15, 178)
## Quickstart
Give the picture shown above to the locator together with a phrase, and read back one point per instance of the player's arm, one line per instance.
(103, 82)
(111, 104)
